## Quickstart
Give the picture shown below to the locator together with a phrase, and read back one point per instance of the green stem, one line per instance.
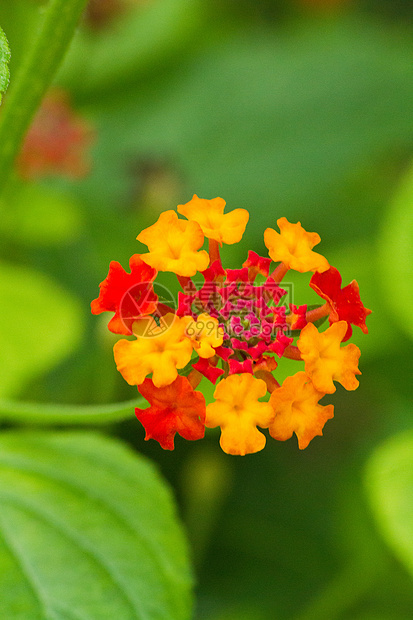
(50, 413)
(26, 92)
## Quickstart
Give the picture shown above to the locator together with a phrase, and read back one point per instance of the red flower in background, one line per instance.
(323, 4)
(100, 13)
(345, 303)
(56, 142)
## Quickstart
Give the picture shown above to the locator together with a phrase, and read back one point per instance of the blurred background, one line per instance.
(296, 108)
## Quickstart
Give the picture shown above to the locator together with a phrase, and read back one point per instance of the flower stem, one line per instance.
(194, 378)
(36, 73)
(272, 383)
(213, 251)
(56, 414)
(279, 272)
(318, 313)
(292, 352)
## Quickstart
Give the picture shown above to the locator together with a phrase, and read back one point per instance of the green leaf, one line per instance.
(39, 215)
(271, 121)
(4, 63)
(41, 324)
(389, 479)
(88, 531)
(396, 256)
(140, 40)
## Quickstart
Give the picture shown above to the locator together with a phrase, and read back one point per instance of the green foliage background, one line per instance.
(283, 108)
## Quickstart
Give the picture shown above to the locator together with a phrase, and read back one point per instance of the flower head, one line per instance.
(293, 247)
(230, 330)
(173, 245)
(297, 411)
(175, 408)
(129, 295)
(209, 214)
(238, 412)
(345, 303)
(326, 361)
(161, 354)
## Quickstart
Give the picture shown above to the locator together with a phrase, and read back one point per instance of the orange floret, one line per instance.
(238, 412)
(293, 247)
(205, 334)
(209, 214)
(173, 245)
(326, 361)
(297, 410)
(160, 353)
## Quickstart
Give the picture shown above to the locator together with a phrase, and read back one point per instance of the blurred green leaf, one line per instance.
(41, 324)
(396, 256)
(389, 480)
(140, 39)
(270, 120)
(55, 414)
(87, 530)
(240, 613)
(4, 63)
(39, 215)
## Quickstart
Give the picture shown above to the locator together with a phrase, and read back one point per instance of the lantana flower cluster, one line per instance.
(230, 326)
